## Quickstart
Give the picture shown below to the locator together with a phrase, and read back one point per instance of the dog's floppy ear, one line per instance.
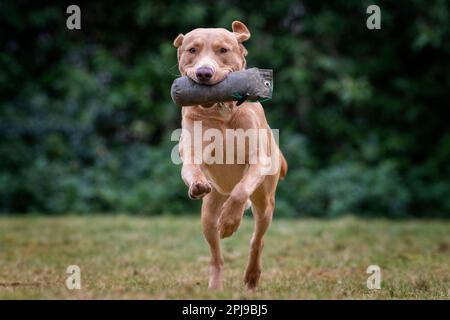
(178, 40)
(240, 31)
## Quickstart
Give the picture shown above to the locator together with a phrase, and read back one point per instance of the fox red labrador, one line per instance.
(227, 188)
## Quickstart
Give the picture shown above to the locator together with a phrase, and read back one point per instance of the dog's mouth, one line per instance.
(217, 77)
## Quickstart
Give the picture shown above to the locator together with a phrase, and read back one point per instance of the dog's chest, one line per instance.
(224, 109)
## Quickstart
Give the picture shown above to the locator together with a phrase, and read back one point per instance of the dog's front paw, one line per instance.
(230, 217)
(199, 189)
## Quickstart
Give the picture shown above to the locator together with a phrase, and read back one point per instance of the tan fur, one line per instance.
(226, 189)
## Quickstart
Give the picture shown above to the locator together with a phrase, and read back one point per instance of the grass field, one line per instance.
(167, 258)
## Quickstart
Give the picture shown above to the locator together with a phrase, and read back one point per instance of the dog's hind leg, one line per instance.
(263, 203)
(211, 205)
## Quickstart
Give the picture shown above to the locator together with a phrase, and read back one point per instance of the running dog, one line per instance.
(207, 56)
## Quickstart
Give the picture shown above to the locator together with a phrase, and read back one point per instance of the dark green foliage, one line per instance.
(86, 116)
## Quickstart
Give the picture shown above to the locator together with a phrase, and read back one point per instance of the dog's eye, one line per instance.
(192, 50)
(223, 50)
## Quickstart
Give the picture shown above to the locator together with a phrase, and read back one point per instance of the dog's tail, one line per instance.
(284, 167)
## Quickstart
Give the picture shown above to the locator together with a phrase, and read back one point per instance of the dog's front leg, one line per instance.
(233, 208)
(195, 180)
(191, 173)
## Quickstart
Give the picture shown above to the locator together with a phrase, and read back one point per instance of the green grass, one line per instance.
(167, 258)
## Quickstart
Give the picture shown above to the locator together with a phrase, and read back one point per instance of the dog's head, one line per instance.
(208, 55)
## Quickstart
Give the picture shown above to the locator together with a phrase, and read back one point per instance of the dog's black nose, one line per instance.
(204, 74)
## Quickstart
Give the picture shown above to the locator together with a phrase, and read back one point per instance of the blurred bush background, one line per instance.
(86, 116)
